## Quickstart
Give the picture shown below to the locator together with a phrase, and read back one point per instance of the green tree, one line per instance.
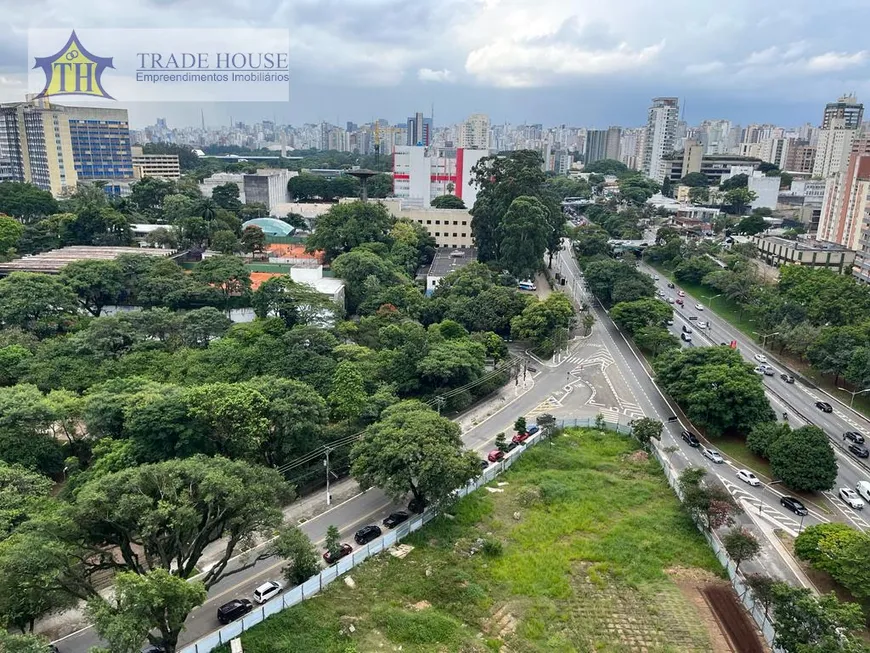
(294, 303)
(607, 167)
(751, 224)
(294, 547)
(588, 322)
(501, 442)
(520, 425)
(523, 236)
(763, 435)
(148, 194)
(591, 240)
(226, 196)
(806, 622)
(834, 350)
(613, 282)
(655, 339)
(227, 273)
(741, 546)
(22, 492)
(348, 397)
(841, 551)
(10, 235)
(21, 643)
(646, 430)
(447, 202)
(307, 187)
(695, 180)
(348, 225)
(807, 545)
(694, 269)
(163, 237)
(25, 201)
(253, 239)
(225, 242)
(539, 321)
(156, 600)
(712, 505)
(411, 448)
(739, 198)
(380, 186)
(699, 195)
(38, 303)
(25, 434)
(360, 270)
(234, 415)
(96, 283)
(332, 541)
(737, 181)
(633, 316)
(804, 460)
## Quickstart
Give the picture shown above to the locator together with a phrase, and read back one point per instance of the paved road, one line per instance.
(796, 399)
(761, 503)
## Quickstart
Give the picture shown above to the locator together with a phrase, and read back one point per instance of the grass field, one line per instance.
(581, 548)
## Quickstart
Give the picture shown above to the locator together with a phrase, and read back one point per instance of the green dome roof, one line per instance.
(270, 226)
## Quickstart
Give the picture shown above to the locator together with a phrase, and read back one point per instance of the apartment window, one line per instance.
(455, 223)
(454, 234)
(462, 234)
(428, 222)
(464, 223)
(438, 222)
(437, 234)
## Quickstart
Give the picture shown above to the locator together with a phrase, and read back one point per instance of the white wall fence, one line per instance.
(315, 584)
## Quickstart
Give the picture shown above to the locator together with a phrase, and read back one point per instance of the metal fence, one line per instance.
(315, 584)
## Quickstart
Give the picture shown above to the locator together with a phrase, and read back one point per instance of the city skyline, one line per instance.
(554, 61)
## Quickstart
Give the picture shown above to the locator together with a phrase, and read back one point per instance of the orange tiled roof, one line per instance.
(258, 278)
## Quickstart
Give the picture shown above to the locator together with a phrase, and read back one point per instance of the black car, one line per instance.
(395, 518)
(484, 464)
(670, 285)
(824, 406)
(853, 436)
(233, 610)
(691, 439)
(859, 450)
(788, 378)
(794, 505)
(512, 445)
(366, 534)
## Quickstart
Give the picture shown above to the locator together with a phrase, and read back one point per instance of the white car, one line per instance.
(681, 293)
(702, 324)
(670, 300)
(267, 590)
(661, 293)
(761, 358)
(759, 370)
(699, 307)
(748, 477)
(851, 498)
(655, 277)
(712, 455)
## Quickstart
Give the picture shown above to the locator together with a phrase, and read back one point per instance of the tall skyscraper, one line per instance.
(474, 132)
(100, 142)
(840, 127)
(661, 133)
(35, 147)
(611, 148)
(419, 130)
(596, 145)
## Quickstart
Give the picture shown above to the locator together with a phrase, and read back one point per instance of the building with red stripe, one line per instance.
(422, 173)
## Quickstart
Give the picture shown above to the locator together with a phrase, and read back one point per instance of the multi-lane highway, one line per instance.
(797, 400)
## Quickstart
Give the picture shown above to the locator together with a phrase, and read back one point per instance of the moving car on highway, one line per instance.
(853, 436)
(851, 498)
(691, 439)
(788, 378)
(712, 455)
(761, 358)
(858, 450)
(824, 406)
(748, 477)
(794, 505)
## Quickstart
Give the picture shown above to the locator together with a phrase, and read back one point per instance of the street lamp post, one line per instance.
(710, 299)
(763, 490)
(852, 401)
(764, 337)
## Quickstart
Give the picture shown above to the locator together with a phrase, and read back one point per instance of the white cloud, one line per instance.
(704, 68)
(429, 75)
(523, 64)
(831, 61)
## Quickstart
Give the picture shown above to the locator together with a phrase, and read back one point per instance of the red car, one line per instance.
(346, 549)
(520, 438)
(495, 456)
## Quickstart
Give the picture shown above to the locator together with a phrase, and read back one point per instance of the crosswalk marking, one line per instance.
(769, 511)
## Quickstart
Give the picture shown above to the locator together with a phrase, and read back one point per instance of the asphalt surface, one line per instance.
(796, 399)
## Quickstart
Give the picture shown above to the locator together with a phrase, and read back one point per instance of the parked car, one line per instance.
(366, 534)
(824, 406)
(794, 505)
(267, 591)
(853, 436)
(395, 518)
(712, 455)
(344, 550)
(496, 455)
(761, 358)
(691, 439)
(851, 498)
(788, 378)
(484, 464)
(748, 477)
(233, 610)
(417, 506)
(532, 430)
(699, 307)
(511, 446)
(858, 450)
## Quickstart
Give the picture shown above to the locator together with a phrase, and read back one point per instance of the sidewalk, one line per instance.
(305, 507)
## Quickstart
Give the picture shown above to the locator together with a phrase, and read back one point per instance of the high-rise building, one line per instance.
(845, 109)
(840, 128)
(419, 130)
(35, 146)
(100, 142)
(596, 145)
(846, 197)
(614, 135)
(164, 166)
(421, 174)
(474, 132)
(800, 157)
(661, 134)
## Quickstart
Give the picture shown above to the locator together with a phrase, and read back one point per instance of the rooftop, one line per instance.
(53, 261)
(447, 260)
(805, 244)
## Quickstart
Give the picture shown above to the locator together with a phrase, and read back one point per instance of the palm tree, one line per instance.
(207, 209)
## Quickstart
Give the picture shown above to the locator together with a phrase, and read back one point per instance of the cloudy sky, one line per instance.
(577, 62)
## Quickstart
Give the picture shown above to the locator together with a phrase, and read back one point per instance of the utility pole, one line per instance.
(326, 464)
(439, 402)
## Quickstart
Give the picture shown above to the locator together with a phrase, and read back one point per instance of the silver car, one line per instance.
(712, 455)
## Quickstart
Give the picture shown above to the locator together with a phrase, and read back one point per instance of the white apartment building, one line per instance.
(164, 166)
(841, 124)
(846, 203)
(661, 134)
(766, 190)
(423, 173)
(474, 132)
